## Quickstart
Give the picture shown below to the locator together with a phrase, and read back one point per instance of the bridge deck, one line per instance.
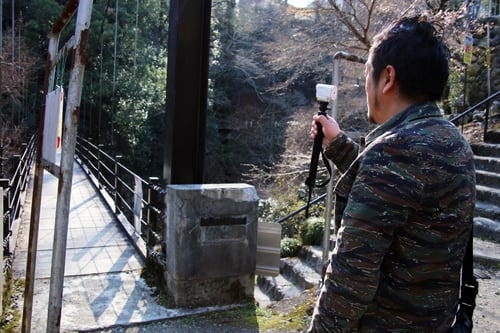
(96, 242)
(102, 285)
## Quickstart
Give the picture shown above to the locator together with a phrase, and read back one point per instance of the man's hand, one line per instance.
(330, 128)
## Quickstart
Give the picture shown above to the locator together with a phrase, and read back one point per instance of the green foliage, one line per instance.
(287, 198)
(290, 247)
(311, 232)
(454, 101)
(40, 16)
(127, 92)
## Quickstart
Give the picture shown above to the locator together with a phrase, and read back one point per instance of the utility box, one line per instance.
(211, 241)
(268, 249)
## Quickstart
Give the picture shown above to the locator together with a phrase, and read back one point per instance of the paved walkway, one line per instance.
(102, 284)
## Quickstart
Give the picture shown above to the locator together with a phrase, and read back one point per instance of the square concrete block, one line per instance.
(211, 240)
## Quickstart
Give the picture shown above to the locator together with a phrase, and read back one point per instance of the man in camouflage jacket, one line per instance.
(404, 204)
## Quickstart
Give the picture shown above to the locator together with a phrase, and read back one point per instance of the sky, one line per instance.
(299, 3)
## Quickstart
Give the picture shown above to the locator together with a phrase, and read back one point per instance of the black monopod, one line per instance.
(324, 94)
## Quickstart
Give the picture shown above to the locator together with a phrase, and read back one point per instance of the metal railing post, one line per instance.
(87, 153)
(16, 159)
(99, 149)
(152, 181)
(486, 118)
(117, 196)
(7, 207)
(23, 167)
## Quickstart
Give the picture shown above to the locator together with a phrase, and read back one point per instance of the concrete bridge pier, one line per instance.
(211, 240)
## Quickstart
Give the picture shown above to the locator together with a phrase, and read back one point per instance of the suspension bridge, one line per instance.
(103, 286)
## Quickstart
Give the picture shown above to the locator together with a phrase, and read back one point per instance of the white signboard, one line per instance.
(53, 125)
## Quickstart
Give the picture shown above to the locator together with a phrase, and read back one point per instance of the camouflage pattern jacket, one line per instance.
(403, 211)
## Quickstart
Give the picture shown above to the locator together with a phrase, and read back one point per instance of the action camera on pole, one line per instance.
(325, 93)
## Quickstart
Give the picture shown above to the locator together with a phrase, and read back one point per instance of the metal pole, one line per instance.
(329, 187)
(113, 97)
(67, 162)
(333, 113)
(37, 196)
(12, 50)
(68, 11)
(2, 279)
(135, 35)
(1, 59)
(148, 215)
(488, 49)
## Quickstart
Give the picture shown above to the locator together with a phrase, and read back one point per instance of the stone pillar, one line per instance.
(211, 241)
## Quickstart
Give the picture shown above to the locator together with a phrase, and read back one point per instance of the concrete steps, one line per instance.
(296, 275)
(487, 213)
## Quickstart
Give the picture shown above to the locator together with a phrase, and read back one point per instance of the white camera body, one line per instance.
(326, 92)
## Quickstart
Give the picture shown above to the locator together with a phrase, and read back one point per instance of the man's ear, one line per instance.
(389, 77)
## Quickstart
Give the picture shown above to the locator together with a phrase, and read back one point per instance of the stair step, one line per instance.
(486, 149)
(487, 163)
(296, 275)
(487, 228)
(312, 256)
(486, 250)
(278, 287)
(487, 210)
(493, 137)
(488, 178)
(301, 274)
(488, 194)
(262, 299)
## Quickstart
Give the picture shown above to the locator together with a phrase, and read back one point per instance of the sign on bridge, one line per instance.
(53, 124)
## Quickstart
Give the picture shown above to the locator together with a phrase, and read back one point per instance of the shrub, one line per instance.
(290, 247)
(311, 232)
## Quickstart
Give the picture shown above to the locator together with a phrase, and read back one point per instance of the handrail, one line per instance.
(14, 187)
(296, 212)
(475, 107)
(119, 183)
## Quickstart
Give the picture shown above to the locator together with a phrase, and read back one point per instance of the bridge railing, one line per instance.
(13, 190)
(133, 198)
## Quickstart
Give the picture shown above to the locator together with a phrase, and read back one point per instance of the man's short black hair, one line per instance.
(414, 48)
